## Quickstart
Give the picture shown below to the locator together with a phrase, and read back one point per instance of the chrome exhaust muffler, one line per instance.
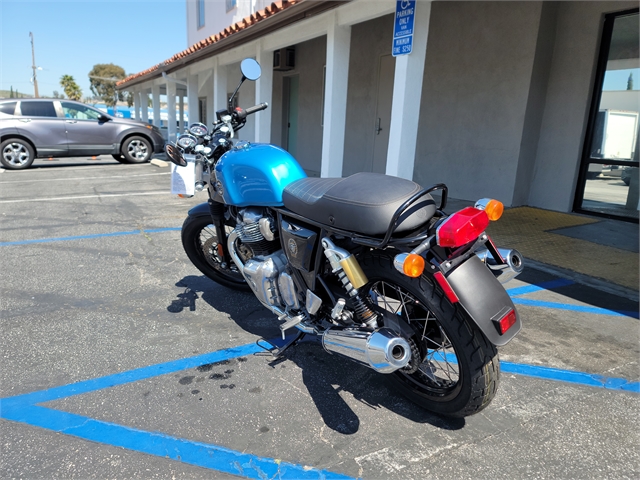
(503, 271)
(381, 349)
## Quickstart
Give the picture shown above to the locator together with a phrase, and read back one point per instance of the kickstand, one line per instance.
(278, 351)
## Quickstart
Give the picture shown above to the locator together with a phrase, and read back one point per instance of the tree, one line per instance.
(11, 92)
(630, 82)
(70, 87)
(103, 78)
(128, 96)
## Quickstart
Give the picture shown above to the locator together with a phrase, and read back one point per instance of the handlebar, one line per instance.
(241, 114)
(256, 108)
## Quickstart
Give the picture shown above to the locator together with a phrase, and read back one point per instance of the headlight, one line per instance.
(198, 129)
(187, 141)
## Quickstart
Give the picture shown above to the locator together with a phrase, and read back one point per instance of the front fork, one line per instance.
(217, 219)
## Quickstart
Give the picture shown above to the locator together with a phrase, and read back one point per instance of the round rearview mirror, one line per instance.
(174, 154)
(250, 69)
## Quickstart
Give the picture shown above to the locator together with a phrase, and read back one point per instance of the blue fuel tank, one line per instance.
(256, 174)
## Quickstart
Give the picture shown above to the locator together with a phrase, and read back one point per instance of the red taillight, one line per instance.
(462, 227)
(446, 288)
(506, 322)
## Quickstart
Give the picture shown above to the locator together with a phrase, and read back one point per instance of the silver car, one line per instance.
(32, 128)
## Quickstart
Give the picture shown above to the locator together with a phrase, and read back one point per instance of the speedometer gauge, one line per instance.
(198, 129)
(187, 141)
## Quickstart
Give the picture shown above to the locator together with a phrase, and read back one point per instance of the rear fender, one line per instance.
(483, 298)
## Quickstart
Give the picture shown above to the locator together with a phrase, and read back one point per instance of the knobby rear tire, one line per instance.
(478, 365)
(200, 245)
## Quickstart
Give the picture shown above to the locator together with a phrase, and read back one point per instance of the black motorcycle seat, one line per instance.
(362, 203)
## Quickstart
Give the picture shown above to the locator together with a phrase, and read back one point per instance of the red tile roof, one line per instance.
(246, 22)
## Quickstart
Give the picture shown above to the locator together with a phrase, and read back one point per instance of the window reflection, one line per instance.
(612, 177)
(612, 191)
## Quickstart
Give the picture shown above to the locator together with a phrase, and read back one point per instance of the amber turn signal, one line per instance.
(494, 210)
(410, 264)
(413, 265)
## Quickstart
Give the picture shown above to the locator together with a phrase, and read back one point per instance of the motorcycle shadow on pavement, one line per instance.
(325, 376)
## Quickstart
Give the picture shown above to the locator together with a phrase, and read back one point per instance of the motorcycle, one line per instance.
(370, 263)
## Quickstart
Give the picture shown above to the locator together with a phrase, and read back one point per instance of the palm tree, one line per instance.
(70, 87)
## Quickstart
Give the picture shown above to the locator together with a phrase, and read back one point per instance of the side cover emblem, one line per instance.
(293, 247)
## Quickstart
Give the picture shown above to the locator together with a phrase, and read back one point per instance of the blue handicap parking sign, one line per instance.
(404, 27)
(402, 45)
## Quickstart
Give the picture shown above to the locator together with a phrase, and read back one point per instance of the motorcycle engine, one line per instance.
(264, 263)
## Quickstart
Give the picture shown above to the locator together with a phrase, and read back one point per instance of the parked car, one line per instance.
(626, 173)
(32, 128)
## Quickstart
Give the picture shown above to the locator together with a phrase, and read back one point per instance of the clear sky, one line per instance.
(71, 36)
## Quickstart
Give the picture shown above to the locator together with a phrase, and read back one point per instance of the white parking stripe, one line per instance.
(86, 178)
(164, 192)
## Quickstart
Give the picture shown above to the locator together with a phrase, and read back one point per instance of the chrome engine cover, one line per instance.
(266, 273)
(262, 275)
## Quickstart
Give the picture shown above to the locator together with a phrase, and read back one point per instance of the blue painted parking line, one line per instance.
(199, 454)
(581, 378)
(575, 308)
(25, 409)
(550, 285)
(517, 292)
(84, 237)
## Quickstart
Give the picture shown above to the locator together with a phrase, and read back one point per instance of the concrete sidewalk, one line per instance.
(598, 252)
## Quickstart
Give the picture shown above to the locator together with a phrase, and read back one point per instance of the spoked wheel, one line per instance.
(201, 244)
(454, 369)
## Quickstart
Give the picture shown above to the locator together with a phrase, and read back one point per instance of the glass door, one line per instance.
(608, 181)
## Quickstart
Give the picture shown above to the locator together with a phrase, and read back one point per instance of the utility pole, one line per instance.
(33, 61)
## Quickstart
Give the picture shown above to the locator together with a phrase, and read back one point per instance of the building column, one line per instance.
(407, 92)
(181, 113)
(264, 89)
(335, 101)
(144, 101)
(155, 102)
(171, 111)
(136, 104)
(192, 99)
(219, 88)
(205, 89)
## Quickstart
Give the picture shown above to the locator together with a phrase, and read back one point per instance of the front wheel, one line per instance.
(201, 245)
(454, 370)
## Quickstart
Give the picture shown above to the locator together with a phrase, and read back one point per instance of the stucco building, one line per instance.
(533, 103)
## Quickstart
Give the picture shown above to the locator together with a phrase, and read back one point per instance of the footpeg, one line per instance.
(292, 322)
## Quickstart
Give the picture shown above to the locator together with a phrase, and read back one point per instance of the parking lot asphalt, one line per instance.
(120, 360)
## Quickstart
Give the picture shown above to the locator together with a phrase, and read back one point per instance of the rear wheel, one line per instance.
(201, 244)
(16, 154)
(454, 369)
